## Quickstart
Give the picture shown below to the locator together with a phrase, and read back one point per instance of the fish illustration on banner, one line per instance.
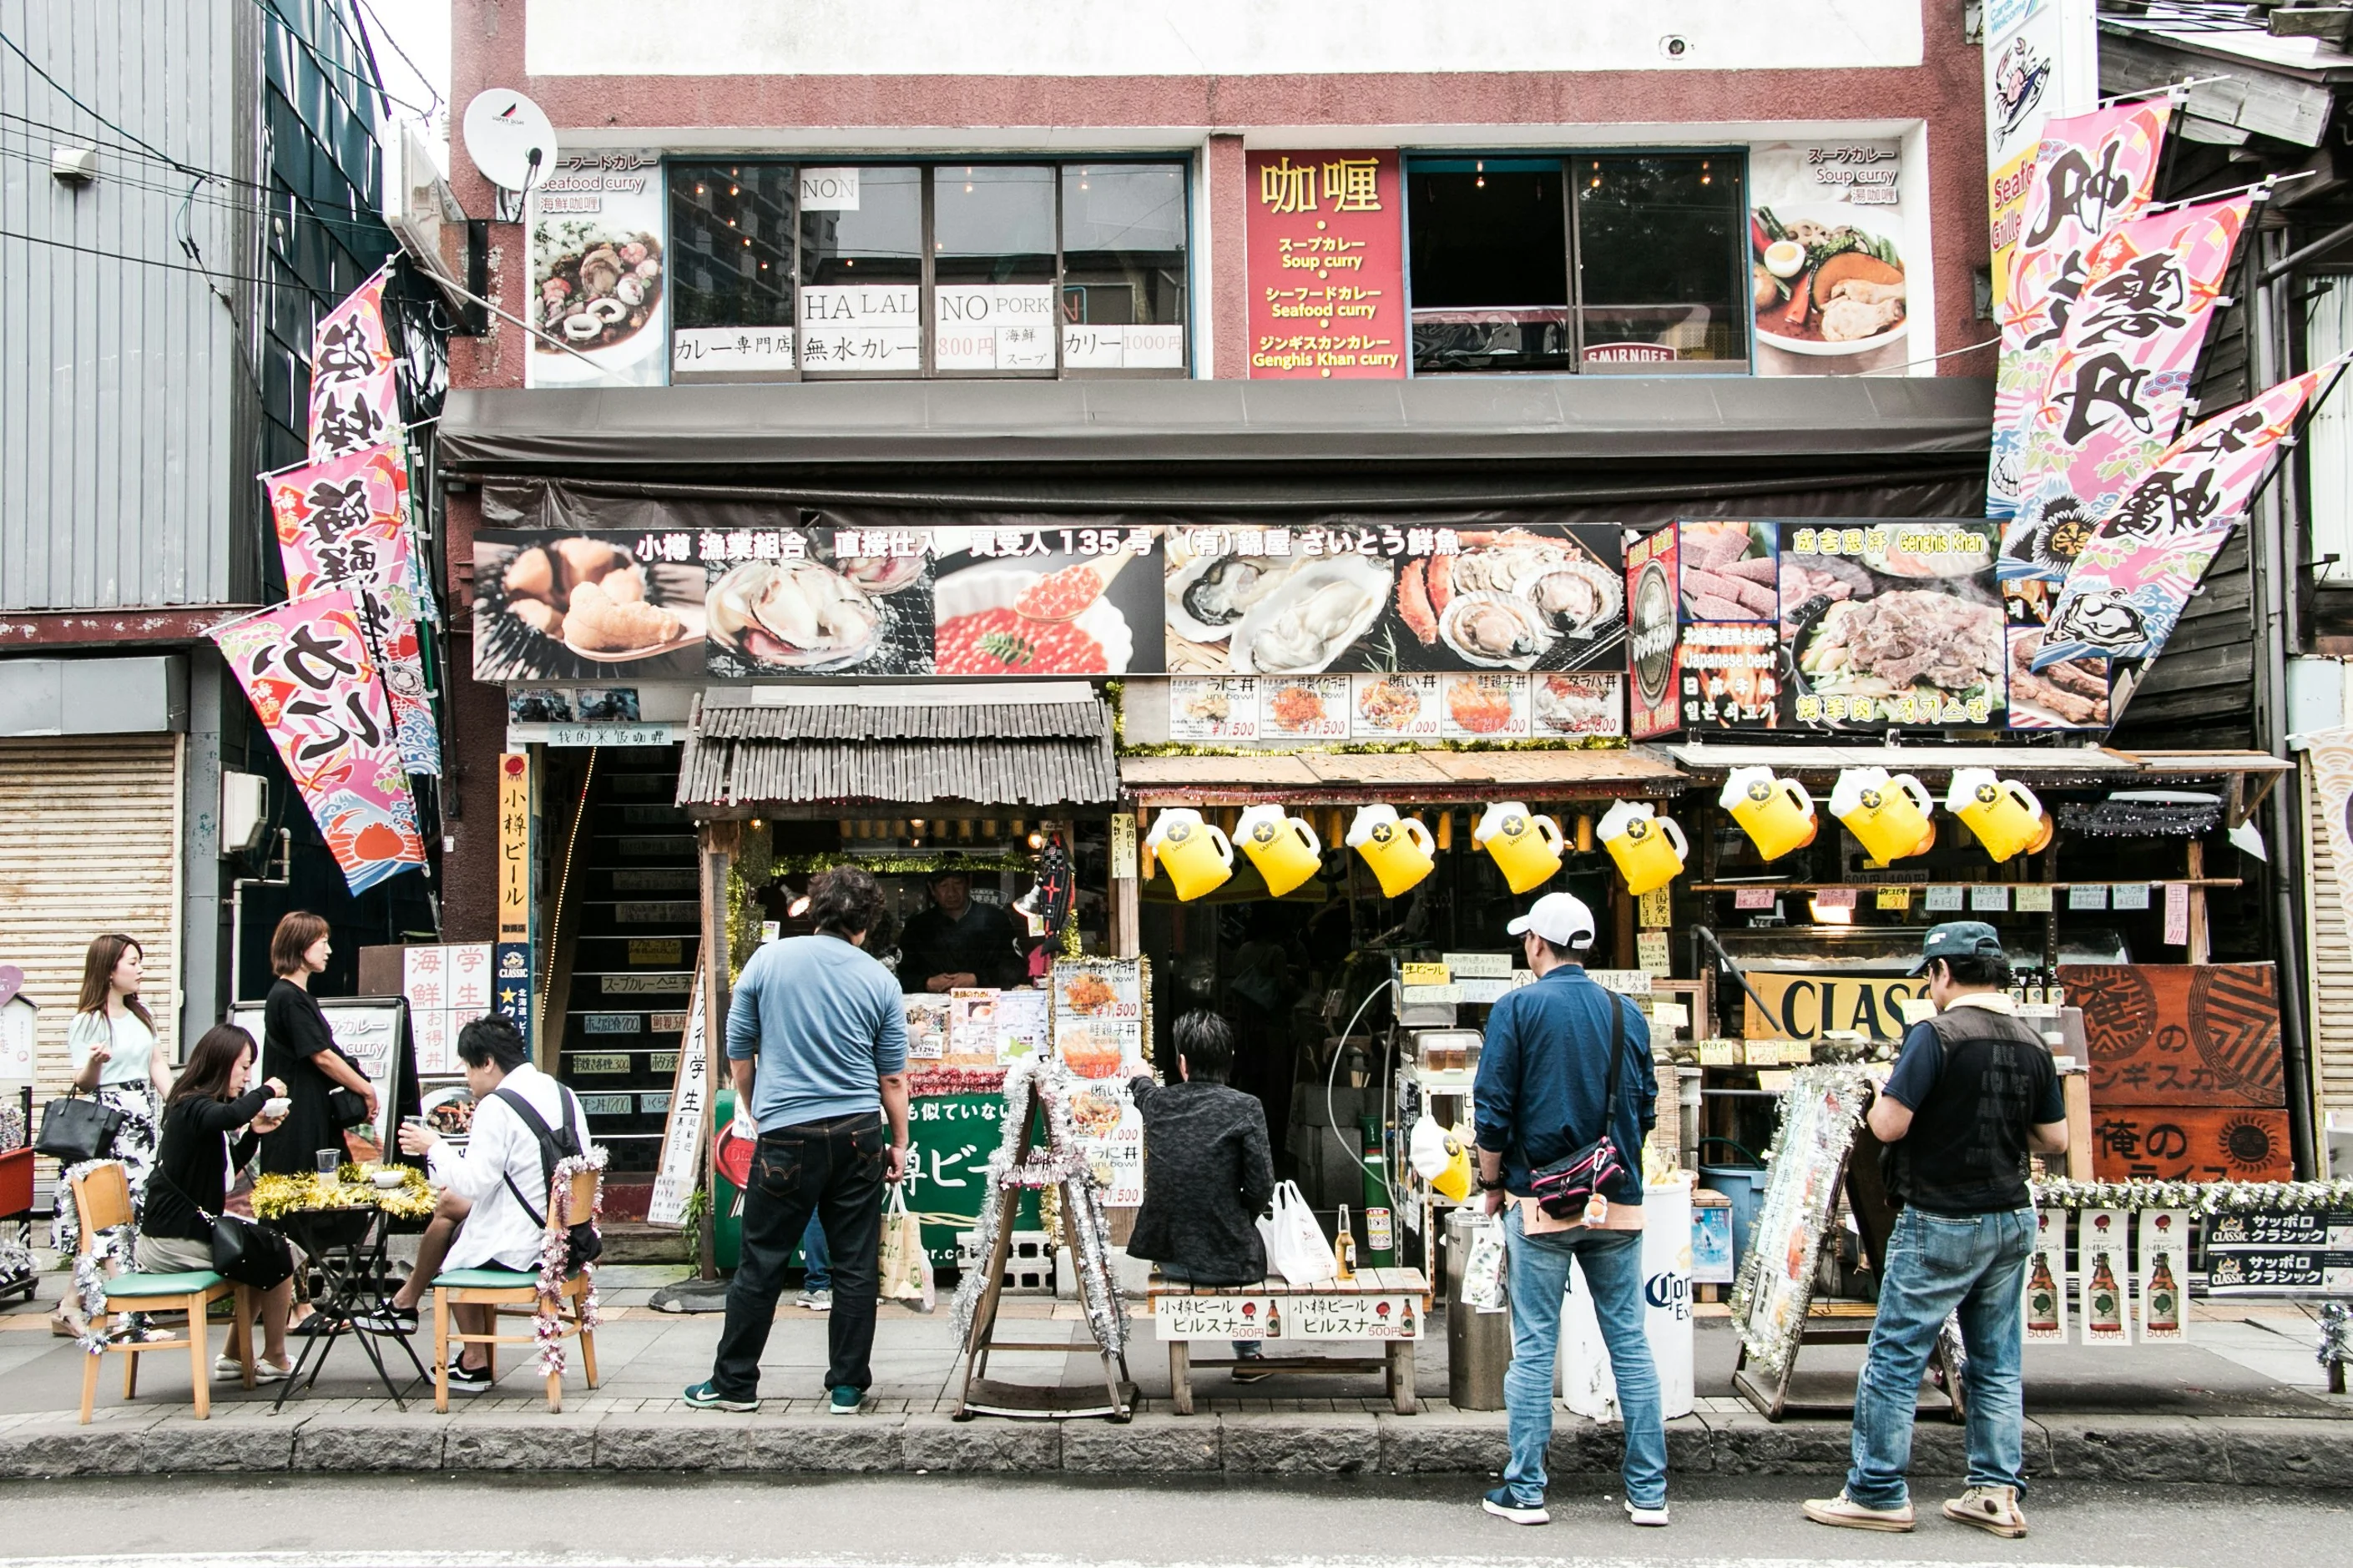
(2128, 585)
(2119, 383)
(2094, 171)
(354, 401)
(306, 669)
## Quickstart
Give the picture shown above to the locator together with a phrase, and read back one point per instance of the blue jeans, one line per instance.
(1537, 1272)
(1937, 1265)
(815, 1260)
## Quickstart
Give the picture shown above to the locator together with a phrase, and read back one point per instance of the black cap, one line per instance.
(1959, 939)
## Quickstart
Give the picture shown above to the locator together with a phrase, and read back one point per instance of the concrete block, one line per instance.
(930, 1441)
(185, 1444)
(1745, 1443)
(1580, 1446)
(342, 1442)
(35, 1451)
(562, 1441)
(675, 1440)
(2136, 1448)
(2278, 1451)
(827, 1443)
(1334, 1444)
(1149, 1444)
(1470, 1443)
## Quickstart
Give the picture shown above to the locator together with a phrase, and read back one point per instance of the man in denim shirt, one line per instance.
(1544, 1082)
(1972, 1094)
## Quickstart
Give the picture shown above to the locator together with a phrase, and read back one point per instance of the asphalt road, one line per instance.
(920, 1521)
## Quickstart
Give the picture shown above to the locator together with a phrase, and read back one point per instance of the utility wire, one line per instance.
(268, 9)
(172, 266)
(125, 150)
(370, 13)
(296, 212)
(35, 66)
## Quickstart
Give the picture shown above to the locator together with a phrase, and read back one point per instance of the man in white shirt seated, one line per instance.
(493, 1208)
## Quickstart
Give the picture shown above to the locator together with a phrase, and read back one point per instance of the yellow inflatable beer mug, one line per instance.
(1887, 814)
(1778, 814)
(1197, 857)
(1284, 849)
(1524, 846)
(1399, 849)
(1648, 848)
(2002, 813)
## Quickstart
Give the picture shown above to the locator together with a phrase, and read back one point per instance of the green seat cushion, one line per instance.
(143, 1285)
(485, 1279)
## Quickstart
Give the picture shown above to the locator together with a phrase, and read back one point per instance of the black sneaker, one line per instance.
(464, 1379)
(388, 1321)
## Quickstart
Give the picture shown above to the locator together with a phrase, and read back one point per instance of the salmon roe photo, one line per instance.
(1003, 642)
(1066, 593)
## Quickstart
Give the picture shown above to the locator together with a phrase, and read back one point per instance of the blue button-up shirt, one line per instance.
(1543, 1073)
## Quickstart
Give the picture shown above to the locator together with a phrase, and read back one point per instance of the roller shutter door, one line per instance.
(2331, 979)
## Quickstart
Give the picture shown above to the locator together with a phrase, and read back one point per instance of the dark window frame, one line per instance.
(710, 166)
(1733, 158)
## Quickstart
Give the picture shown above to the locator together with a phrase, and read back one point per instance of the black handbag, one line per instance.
(77, 1131)
(347, 1108)
(245, 1251)
(1566, 1186)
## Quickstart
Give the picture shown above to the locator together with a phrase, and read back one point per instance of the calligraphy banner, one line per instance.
(2129, 584)
(354, 403)
(2120, 384)
(2093, 172)
(305, 667)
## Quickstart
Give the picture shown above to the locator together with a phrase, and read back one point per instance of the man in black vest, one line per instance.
(1972, 1094)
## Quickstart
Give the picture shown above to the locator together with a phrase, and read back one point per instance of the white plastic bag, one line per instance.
(1295, 1248)
(905, 1264)
(1483, 1272)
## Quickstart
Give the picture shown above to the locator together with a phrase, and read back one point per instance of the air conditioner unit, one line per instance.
(416, 202)
(245, 811)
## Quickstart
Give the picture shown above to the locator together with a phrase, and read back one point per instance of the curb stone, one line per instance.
(2289, 1452)
(368, 1443)
(185, 1444)
(562, 1442)
(1150, 1444)
(1583, 1446)
(37, 1451)
(2141, 1448)
(837, 1444)
(1442, 1444)
(943, 1443)
(1336, 1444)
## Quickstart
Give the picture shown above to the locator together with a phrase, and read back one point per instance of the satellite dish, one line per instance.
(509, 140)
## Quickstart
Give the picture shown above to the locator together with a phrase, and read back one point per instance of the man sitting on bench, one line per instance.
(1208, 1170)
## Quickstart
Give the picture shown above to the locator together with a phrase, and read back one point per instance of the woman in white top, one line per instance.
(111, 1044)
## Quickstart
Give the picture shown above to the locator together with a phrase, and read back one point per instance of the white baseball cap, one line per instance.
(1561, 918)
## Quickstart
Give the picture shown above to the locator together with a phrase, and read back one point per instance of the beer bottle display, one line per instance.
(1273, 1321)
(2107, 1315)
(2164, 1305)
(1343, 1247)
(2041, 1299)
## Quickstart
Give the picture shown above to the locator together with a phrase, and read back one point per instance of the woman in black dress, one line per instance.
(297, 1050)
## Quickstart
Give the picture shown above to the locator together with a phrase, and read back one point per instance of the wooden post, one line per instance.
(2200, 949)
(1126, 885)
(2076, 1092)
(720, 840)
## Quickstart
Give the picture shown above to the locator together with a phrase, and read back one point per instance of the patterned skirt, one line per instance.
(135, 1145)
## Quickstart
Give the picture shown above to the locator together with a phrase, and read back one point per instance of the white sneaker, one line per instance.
(1655, 1517)
(1844, 1513)
(1993, 1509)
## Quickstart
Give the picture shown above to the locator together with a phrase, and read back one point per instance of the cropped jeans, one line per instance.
(1939, 1265)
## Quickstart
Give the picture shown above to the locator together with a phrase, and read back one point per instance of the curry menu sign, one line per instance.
(1326, 268)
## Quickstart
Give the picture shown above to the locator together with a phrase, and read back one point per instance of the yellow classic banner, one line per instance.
(1806, 1007)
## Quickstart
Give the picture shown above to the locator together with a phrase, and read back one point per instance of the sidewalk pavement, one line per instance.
(2244, 1403)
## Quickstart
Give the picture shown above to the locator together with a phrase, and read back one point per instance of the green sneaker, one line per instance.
(846, 1401)
(704, 1396)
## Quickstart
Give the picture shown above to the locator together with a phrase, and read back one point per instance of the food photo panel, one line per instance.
(1891, 622)
(820, 601)
(556, 604)
(1028, 594)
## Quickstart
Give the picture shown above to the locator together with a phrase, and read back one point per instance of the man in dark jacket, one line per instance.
(1207, 1170)
(956, 942)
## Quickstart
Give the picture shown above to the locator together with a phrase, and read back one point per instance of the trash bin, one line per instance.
(1478, 1344)
(1745, 1185)
(1587, 1383)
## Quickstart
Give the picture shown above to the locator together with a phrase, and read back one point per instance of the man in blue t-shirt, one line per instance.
(1972, 1095)
(816, 1046)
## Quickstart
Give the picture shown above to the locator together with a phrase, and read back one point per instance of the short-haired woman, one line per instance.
(198, 1160)
(111, 1047)
(299, 1051)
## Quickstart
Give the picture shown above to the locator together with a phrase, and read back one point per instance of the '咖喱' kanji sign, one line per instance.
(1326, 265)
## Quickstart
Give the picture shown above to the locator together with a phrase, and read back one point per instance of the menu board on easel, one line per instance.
(373, 1031)
(1102, 1032)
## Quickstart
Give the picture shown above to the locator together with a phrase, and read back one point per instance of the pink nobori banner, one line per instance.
(2094, 171)
(2119, 382)
(354, 403)
(306, 669)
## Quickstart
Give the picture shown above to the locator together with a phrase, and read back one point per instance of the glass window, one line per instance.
(1488, 241)
(993, 268)
(1122, 267)
(731, 271)
(1660, 253)
(861, 271)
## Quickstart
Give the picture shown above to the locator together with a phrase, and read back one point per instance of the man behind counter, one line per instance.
(957, 943)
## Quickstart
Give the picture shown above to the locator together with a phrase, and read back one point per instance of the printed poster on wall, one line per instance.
(1326, 265)
(2164, 1265)
(599, 273)
(306, 669)
(2044, 1302)
(355, 392)
(1829, 227)
(2103, 1273)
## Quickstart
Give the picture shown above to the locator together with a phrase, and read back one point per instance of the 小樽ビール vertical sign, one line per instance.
(1326, 272)
(514, 847)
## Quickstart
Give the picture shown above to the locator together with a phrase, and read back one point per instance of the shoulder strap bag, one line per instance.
(245, 1251)
(76, 1131)
(583, 1244)
(1566, 1187)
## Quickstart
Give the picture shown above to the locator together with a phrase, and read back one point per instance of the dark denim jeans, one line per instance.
(833, 1170)
(1939, 1265)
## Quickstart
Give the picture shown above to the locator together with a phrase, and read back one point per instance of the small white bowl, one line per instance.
(277, 1108)
(388, 1180)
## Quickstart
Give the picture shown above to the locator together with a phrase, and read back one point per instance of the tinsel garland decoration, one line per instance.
(2336, 1336)
(16, 1260)
(276, 1196)
(2198, 1197)
(12, 1127)
(1058, 1161)
(555, 1253)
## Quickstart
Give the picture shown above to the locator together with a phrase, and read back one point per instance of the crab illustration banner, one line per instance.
(2121, 382)
(306, 668)
(2094, 172)
(2130, 582)
(354, 401)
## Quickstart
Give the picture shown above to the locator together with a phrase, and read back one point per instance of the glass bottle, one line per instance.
(1343, 1247)
(2041, 1299)
(1273, 1320)
(2164, 1298)
(2107, 1313)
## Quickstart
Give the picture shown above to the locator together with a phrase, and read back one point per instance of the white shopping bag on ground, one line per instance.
(905, 1265)
(1295, 1248)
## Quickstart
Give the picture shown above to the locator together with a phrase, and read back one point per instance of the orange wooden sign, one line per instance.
(2180, 1034)
(2201, 1143)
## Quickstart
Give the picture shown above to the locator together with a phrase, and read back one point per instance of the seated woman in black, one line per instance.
(195, 1163)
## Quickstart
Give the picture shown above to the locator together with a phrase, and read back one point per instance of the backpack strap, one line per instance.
(515, 1102)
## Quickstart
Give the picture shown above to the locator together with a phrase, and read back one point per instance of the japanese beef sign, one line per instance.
(354, 403)
(1326, 268)
(306, 668)
(2186, 1034)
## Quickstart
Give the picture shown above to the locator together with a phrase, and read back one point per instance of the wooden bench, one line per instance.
(1388, 1305)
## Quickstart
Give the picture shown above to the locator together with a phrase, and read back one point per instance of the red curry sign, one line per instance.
(1326, 265)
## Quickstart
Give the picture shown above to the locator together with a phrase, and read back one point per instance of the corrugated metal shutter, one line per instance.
(92, 845)
(2331, 961)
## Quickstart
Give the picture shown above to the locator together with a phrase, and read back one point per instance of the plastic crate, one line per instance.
(1029, 1268)
(16, 1182)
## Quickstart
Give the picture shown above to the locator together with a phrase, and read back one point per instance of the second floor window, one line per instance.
(788, 272)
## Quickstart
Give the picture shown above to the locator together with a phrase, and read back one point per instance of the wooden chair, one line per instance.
(503, 1291)
(102, 1200)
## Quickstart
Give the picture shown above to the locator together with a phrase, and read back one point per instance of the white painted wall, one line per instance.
(1197, 37)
